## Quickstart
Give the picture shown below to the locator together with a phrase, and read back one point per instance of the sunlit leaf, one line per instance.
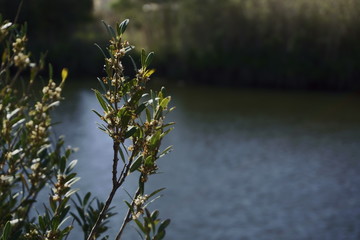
(163, 225)
(64, 74)
(143, 58)
(123, 25)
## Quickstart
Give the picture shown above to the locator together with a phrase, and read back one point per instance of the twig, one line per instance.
(103, 212)
(127, 218)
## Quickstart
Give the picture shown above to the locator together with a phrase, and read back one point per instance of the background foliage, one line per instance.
(268, 43)
(257, 43)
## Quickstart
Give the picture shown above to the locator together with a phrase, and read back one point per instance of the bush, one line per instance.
(31, 159)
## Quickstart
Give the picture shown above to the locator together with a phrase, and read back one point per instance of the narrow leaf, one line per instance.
(86, 198)
(149, 58)
(101, 100)
(98, 114)
(136, 164)
(102, 84)
(123, 25)
(156, 192)
(103, 53)
(163, 225)
(130, 132)
(143, 58)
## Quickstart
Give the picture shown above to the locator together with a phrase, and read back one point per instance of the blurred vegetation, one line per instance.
(267, 43)
(259, 43)
(66, 29)
(34, 163)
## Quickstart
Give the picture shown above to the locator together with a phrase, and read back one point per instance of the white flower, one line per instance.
(45, 90)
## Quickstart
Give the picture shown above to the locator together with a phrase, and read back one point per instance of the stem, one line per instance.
(15, 78)
(127, 218)
(103, 212)
(115, 162)
(115, 187)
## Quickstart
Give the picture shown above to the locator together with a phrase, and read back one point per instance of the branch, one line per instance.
(127, 218)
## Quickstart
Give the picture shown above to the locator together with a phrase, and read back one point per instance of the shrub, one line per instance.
(31, 159)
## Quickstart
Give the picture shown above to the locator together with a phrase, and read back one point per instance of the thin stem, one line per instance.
(115, 187)
(115, 162)
(102, 213)
(15, 78)
(127, 218)
(18, 12)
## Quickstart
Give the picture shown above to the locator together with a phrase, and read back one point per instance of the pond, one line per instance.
(247, 164)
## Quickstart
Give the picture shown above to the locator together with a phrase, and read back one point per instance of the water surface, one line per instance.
(247, 164)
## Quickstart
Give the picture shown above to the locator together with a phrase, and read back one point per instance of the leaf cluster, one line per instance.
(32, 160)
(134, 117)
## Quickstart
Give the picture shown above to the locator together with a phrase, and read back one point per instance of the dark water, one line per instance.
(247, 164)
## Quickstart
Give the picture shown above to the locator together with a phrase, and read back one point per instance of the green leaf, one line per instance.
(154, 215)
(50, 71)
(165, 102)
(141, 227)
(129, 48)
(103, 53)
(71, 166)
(113, 34)
(121, 155)
(156, 192)
(55, 222)
(42, 223)
(148, 115)
(54, 104)
(52, 204)
(72, 181)
(143, 58)
(159, 113)
(130, 132)
(163, 91)
(134, 64)
(107, 27)
(140, 108)
(139, 233)
(86, 198)
(159, 235)
(71, 192)
(166, 151)
(62, 164)
(7, 230)
(166, 132)
(123, 25)
(98, 114)
(129, 206)
(63, 221)
(168, 124)
(70, 176)
(163, 225)
(136, 164)
(149, 59)
(102, 84)
(101, 100)
(155, 138)
(77, 219)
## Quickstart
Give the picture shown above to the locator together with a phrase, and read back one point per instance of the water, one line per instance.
(247, 164)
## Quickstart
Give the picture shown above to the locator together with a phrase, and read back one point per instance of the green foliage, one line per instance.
(86, 215)
(298, 43)
(124, 102)
(31, 159)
